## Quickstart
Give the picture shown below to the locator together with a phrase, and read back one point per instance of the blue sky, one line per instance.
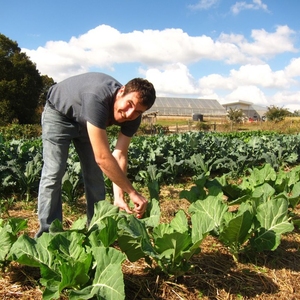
(213, 49)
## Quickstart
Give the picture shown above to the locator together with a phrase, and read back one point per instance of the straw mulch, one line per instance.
(271, 275)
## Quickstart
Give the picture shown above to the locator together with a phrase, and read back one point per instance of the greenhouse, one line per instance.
(167, 106)
(251, 110)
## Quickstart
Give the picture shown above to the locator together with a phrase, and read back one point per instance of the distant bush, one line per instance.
(152, 129)
(18, 131)
(202, 126)
(277, 114)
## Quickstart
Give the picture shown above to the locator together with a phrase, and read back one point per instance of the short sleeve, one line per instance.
(130, 128)
(95, 110)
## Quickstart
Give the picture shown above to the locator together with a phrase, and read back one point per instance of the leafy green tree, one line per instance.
(20, 84)
(47, 83)
(236, 116)
(296, 113)
(276, 114)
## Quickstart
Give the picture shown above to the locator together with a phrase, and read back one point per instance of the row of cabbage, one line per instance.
(164, 157)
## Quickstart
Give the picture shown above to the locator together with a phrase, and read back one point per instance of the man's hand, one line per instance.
(140, 204)
(122, 205)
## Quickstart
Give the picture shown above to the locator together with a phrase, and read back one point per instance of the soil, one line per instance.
(269, 275)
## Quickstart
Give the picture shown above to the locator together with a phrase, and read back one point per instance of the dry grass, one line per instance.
(271, 275)
(289, 125)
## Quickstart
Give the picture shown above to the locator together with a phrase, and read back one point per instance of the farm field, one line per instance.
(223, 222)
(271, 275)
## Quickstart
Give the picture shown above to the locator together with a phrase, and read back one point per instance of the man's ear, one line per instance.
(121, 90)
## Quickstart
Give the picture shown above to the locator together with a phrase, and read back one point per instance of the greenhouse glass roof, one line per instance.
(187, 106)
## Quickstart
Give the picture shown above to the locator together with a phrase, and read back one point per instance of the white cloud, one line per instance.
(265, 44)
(260, 75)
(247, 75)
(216, 81)
(104, 47)
(250, 83)
(167, 57)
(249, 93)
(293, 69)
(255, 5)
(287, 99)
(174, 79)
(204, 4)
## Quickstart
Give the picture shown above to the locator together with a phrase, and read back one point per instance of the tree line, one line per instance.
(22, 88)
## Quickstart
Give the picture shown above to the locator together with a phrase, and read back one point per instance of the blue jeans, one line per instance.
(57, 133)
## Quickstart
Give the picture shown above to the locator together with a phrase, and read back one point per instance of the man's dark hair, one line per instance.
(144, 88)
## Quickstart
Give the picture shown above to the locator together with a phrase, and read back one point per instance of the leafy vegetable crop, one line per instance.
(249, 216)
(262, 215)
(83, 262)
(172, 156)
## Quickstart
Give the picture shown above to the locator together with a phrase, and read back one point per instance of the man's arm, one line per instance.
(120, 153)
(114, 166)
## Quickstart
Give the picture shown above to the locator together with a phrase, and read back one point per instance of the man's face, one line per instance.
(127, 108)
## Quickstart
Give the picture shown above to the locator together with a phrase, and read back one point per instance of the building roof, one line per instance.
(252, 109)
(187, 106)
(237, 102)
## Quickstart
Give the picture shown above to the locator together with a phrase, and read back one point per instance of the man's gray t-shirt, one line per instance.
(90, 97)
